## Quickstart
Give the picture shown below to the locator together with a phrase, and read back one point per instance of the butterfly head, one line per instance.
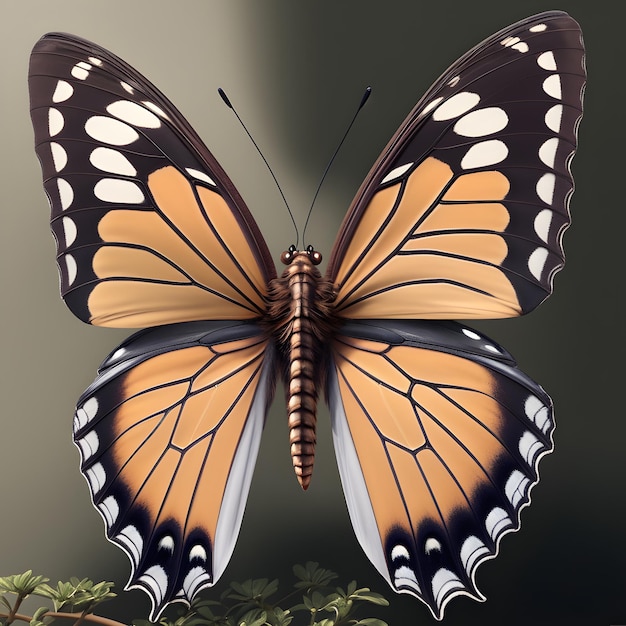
(288, 256)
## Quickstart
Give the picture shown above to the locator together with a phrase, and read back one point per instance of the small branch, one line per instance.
(90, 617)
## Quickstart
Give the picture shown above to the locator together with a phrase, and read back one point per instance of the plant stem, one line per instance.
(89, 617)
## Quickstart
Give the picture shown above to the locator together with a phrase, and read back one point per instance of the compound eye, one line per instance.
(316, 257)
(287, 256)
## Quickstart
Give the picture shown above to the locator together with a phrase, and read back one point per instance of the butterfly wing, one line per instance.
(168, 434)
(146, 221)
(438, 436)
(463, 214)
(437, 433)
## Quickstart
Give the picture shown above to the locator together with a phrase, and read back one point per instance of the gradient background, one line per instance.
(296, 70)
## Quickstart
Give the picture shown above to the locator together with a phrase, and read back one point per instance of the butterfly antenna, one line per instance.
(254, 143)
(366, 95)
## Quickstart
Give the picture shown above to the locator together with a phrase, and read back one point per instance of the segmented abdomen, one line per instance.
(301, 314)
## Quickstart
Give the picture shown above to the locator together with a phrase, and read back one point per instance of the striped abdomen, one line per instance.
(300, 311)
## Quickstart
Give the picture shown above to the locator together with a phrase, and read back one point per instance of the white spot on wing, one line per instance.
(167, 543)
(96, 476)
(55, 122)
(112, 161)
(404, 576)
(196, 579)
(66, 193)
(396, 172)
(81, 70)
(431, 545)
(110, 131)
(110, 509)
(399, 552)
(127, 87)
(88, 444)
(529, 447)
(132, 541)
(538, 28)
(153, 107)
(484, 154)
(472, 551)
(116, 190)
(155, 579)
(71, 268)
(552, 86)
(134, 114)
(537, 261)
(553, 118)
(482, 122)
(468, 332)
(444, 582)
(59, 156)
(545, 187)
(547, 151)
(456, 106)
(197, 552)
(537, 412)
(496, 522)
(430, 106)
(542, 224)
(522, 46)
(95, 61)
(515, 487)
(200, 175)
(62, 92)
(69, 231)
(547, 61)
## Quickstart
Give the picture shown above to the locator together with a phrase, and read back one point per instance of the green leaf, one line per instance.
(22, 584)
(371, 621)
(6, 603)
(255, 617)
(311, 575)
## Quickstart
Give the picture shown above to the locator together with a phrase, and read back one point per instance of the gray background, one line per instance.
(295, 70)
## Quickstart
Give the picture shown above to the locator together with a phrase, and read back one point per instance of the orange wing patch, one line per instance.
(435, 465)
(174, 264)
(435, 251)
(168, 448)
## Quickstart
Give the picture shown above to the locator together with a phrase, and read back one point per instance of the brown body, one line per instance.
(300, 306)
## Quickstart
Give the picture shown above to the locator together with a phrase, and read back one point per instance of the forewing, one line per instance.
(149, 228)
(168, 434)
(463, 214)
(438, 436)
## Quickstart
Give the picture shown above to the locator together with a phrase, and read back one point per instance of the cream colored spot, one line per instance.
(545, 187)
(552, 86)
(547, 61)
(547, 151)
(456, 106)
(134, 114)
(484, 154)
(59, 156)
(542, 224)
(553, 118)
(62, 92)
(108, 130)
(55, 122)
(115, 190)
(81, 70)
(66, 193)
(396, 173)
(112, 161)
(482, 122)
(69, 231)
(537, 261)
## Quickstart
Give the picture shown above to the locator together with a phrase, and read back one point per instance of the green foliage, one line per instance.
(312, 600)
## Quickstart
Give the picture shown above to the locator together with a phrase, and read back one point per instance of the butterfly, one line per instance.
(437, 433)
